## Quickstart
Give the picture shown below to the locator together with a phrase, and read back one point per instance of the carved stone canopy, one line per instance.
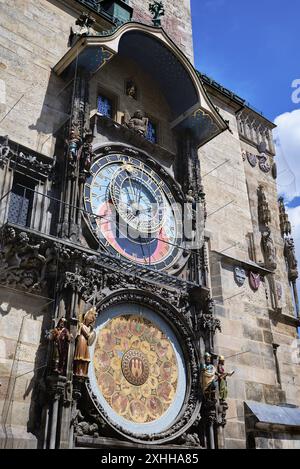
(285, 224)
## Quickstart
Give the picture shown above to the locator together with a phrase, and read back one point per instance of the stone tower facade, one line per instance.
(113, 341)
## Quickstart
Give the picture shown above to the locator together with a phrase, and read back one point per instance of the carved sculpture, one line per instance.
(208, 377)
(73, 142)
(85, 338)
(269, 249)
(86, 154)
(285, 224)
(85, 23)
(158, 11)
(138, 122)
(21, 261)
(290, 256)
(131, 89)
(222, 379)
(264, 213)
(60, 336)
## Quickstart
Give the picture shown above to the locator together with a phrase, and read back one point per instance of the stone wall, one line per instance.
(249, 325)
(33, 37)
(177, 21)
(22, 351)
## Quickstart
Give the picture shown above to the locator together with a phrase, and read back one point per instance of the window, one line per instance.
(151, 132)
(105, 106)
(21, 201)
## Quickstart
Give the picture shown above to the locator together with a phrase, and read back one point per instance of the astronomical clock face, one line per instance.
(138, 372)
(133, 212)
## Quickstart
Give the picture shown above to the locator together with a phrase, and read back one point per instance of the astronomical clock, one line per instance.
(133, 211)
(141, 361)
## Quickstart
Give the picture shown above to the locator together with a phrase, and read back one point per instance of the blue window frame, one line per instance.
(151, 132)
(105, 106)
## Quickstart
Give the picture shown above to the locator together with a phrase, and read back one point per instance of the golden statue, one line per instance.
(86, 337)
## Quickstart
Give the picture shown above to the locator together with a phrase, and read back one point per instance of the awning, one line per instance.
(152, 50)
(272, 417)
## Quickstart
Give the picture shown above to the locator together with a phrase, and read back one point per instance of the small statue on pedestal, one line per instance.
(61, 337)
(138, 123)
(86, 337)
(208, 377)
(222, 379)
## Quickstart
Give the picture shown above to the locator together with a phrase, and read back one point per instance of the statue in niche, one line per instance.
(138, 122)
(86, 337)
(208, 377)
(222, 379)
(290, 255)
(269, 249)
(61, 337)
(131, 89)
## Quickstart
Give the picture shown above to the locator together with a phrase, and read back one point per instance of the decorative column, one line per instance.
(77, 160)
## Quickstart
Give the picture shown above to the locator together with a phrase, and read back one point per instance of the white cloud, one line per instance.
(294, 216)
(287, 137)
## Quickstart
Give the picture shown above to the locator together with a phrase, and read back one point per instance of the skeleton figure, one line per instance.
(222, 379)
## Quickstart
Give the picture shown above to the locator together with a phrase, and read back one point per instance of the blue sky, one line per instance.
(253, 48)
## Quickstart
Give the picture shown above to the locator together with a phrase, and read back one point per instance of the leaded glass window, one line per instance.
(20, 201)
(105, 106)
(151, 132)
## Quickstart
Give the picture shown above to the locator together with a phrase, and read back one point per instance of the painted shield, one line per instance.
(239, 275)
(264, 164)
(254, 280)
(252, 159)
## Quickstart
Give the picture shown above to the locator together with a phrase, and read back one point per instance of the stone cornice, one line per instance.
(248, 265)
(31, 162)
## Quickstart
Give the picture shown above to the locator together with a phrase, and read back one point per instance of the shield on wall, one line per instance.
(264, 164)
(239, 275)
(252, 159)
(254, 280)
